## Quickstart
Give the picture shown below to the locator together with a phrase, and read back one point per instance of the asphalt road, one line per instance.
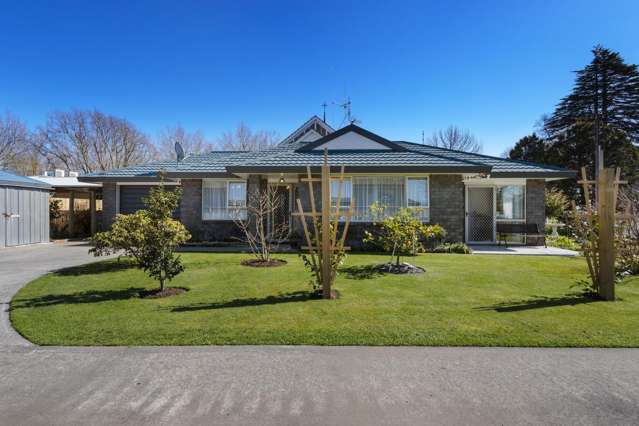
(318, 385)
(281, 385)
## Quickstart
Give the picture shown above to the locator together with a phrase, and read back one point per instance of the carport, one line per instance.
(24, 210)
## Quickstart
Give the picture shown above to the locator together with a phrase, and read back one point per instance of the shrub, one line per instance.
(563, 242)
(460, 248)
(556, 203)
(403, 233)
(149, 236)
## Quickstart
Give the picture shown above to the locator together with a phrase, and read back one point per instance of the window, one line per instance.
(223, 200)
(510, 202)
(390, 193)
(417, 196)
(345, 194)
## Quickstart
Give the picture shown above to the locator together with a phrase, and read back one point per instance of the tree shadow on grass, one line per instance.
(539, 302)
(361, 272)
(96, 268)
(296, 296)
(91, 296)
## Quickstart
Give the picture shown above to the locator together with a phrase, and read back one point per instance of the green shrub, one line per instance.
(459, 248)
(563, 242)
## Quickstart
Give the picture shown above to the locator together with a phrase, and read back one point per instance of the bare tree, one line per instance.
(16, 147)
(244, 139)
(455, 138)
(89, 141)
(259, 228)
(193, 143)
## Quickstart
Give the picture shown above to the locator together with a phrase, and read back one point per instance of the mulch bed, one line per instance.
(167, 292)
(256, 263)
(402, 268)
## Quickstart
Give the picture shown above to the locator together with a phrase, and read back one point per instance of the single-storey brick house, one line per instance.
(468, 194)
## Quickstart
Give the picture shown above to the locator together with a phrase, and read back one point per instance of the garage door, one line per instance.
(131, 198)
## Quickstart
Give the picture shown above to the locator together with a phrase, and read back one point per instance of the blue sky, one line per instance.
(491, 67)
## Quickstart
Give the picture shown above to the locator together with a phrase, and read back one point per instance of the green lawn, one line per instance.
(460, 300)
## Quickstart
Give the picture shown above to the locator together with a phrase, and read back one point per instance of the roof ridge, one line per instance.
(447, 157)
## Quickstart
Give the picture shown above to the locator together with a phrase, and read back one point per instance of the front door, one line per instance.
(479, 215)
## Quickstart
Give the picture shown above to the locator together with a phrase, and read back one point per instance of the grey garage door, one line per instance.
(131, 198)
(24, 216)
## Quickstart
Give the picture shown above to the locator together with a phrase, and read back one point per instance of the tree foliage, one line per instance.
(149, 236)
(604, 101)
(556, 202)
(455, 138)
(529, 148)
(402, 233)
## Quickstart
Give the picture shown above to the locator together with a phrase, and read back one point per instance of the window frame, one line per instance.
(425, 216)
(227, 208)
(498, 219)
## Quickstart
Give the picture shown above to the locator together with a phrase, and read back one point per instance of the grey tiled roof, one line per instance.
(288, 158)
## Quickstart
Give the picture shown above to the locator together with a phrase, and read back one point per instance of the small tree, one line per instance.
(259, 230)
(556, 203)
(149, 236)
(402, 233)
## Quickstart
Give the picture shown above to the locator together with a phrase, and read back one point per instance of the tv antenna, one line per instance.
(348, 113)
(179, 152)
(324, 105)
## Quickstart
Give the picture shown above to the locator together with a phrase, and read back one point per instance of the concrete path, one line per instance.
(281, 385)
(278, 385)
(19, 265)
(522, 250)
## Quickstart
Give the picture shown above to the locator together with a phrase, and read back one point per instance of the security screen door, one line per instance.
(480, 215)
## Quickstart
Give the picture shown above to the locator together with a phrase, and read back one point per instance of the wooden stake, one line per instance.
(605, 209)
(326, 228)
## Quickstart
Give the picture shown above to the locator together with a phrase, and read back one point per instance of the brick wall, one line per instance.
(447, 204)
(535, 205)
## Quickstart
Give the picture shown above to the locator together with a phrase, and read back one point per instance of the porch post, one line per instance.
(71, 230)
(94, 223)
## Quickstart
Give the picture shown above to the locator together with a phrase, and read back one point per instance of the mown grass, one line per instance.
(460, 300)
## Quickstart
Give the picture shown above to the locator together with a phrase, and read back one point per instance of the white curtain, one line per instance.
(385, 191)
(223, 200)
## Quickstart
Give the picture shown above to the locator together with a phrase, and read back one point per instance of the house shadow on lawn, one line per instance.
(296, 296)
(91, 296)
(96, 268)
(539, 302)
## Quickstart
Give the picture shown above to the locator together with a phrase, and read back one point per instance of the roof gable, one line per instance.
(352, 138)
(313, 129)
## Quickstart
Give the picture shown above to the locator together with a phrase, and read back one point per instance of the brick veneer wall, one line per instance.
(447, 204)
(535, 205)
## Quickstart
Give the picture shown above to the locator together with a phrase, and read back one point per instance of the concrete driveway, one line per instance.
(280, 385)
(19, 265)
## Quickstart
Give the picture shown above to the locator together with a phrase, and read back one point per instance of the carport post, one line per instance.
(71, 230)
(92, 209)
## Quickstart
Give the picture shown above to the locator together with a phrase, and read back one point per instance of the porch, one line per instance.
(521, 250)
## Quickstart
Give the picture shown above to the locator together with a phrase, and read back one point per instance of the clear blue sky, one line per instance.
(491, 67)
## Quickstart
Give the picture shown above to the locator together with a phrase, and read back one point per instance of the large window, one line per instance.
(510, 201)
(223, 200)
(389, 193)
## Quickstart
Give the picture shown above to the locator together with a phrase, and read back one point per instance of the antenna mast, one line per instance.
(324, 105)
